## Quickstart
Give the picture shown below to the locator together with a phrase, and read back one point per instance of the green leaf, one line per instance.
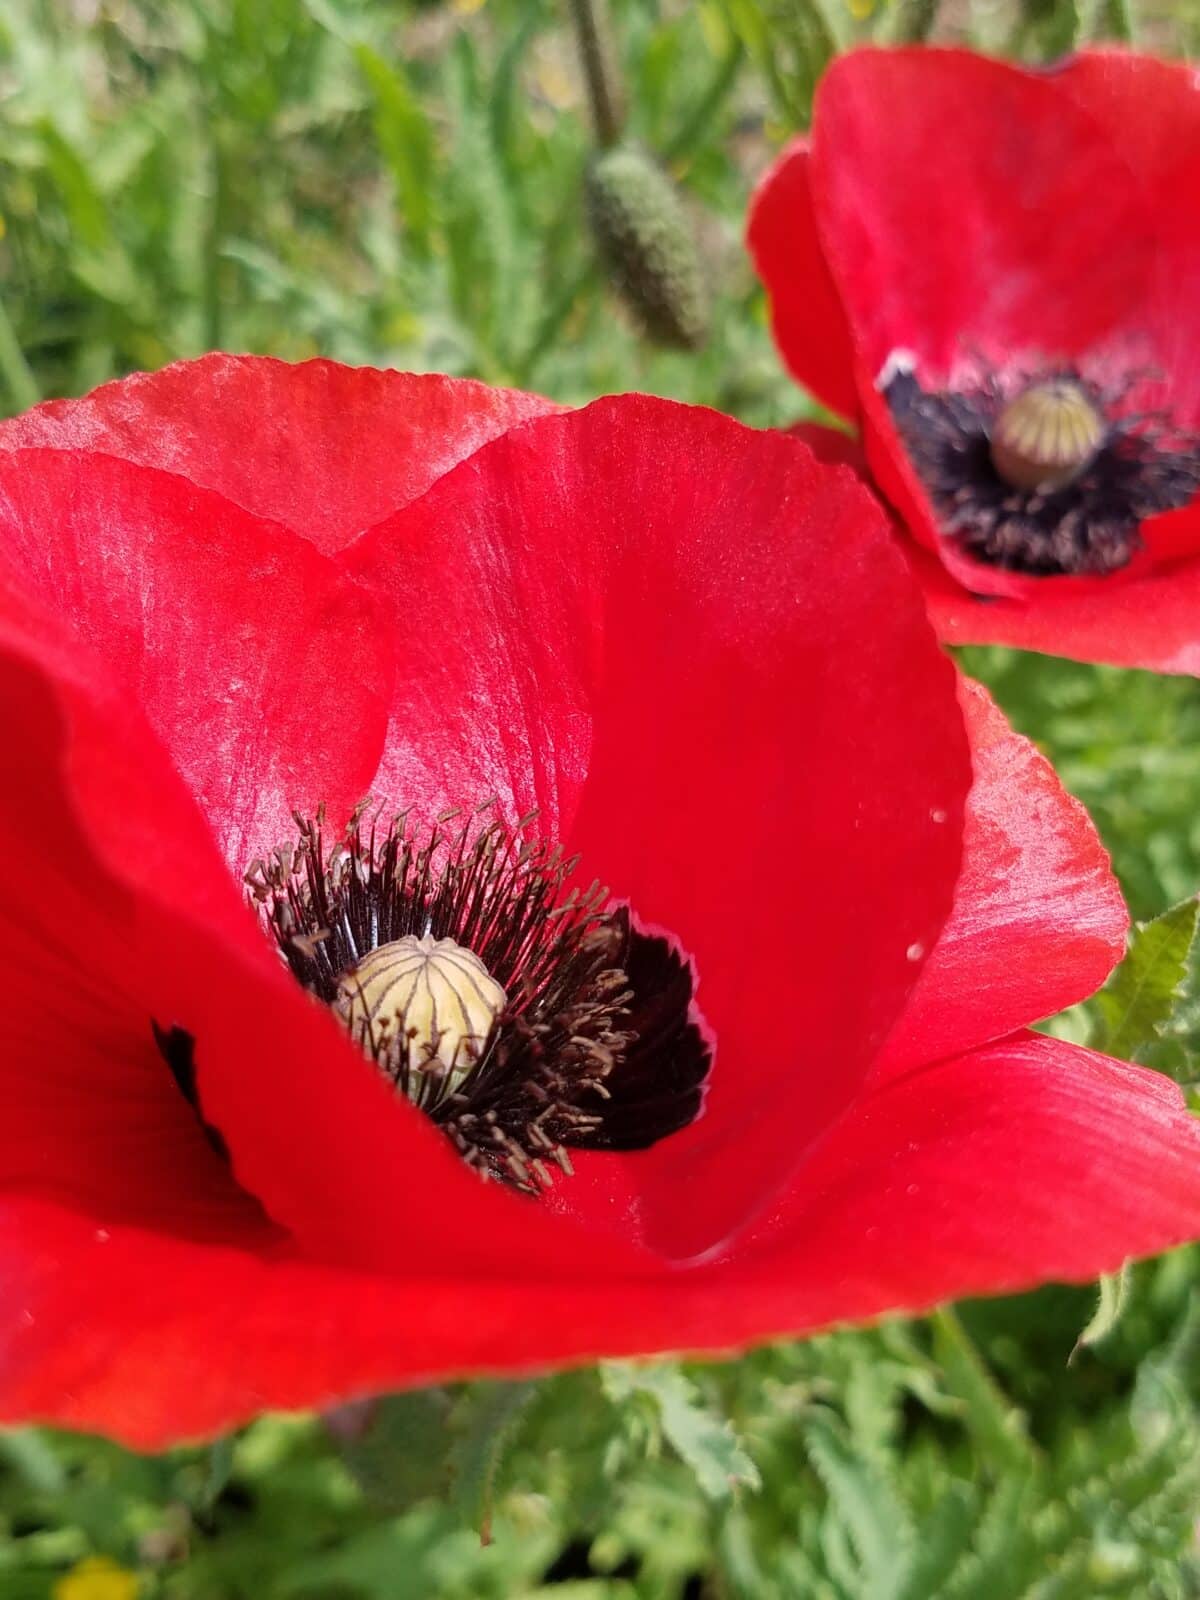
(220, 1470)
(388, 1561)
(1159, 1408)
(1139, 999)
(485, 1421)
(401, 1453)
(406, 139)
(27, 1453)
(1120, 21)
(860, 1495)
(942, 1540)
(1113, 1298)
(707, 1443)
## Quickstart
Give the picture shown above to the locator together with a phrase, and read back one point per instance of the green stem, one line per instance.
(599, 71)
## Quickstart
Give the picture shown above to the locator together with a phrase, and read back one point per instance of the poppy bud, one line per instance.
(646, 243)
(426, 1005)
(1046, 435)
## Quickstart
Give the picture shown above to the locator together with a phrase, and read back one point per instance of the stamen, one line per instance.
(519, 1011)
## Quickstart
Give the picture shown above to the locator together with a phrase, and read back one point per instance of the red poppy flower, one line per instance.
(990, 272)
(626, 618)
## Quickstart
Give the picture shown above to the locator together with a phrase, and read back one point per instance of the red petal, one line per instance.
(1027, 1161)
(327, 449)
(832, 445)
(1151, 110)
(88, 1109)
(257, 664)
(1035, 236)
(650, 622)
(1151, 621)
(806, 311)
(1038, 920)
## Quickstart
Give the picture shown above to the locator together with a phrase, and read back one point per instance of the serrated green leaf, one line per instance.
(484, 1422)
(1139, 999)
(943, 1539)
(707, 1443)
(878, 1524)
(401, 1453)
(1000, 1545)
(1112, 1298)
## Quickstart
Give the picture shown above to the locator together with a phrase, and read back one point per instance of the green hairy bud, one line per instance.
(646, 243)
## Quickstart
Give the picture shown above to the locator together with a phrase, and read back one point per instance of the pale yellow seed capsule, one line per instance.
(426, 1003)
(1046, 435)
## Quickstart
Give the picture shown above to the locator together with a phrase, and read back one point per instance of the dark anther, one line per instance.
(1013, 492)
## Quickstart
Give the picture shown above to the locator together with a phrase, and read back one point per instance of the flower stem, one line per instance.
(599, 70)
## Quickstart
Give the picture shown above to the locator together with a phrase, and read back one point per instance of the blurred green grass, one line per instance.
(400, 184)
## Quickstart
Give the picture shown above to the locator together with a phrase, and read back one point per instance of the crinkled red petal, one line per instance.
(325, 448)
(262, 670)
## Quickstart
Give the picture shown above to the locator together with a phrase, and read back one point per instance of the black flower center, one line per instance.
(1040, 475)
(525, 1016)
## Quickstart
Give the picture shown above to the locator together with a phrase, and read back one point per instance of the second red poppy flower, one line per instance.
(989, 270)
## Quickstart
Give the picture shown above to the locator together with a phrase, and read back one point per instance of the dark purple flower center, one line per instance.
(1041, 474)
(525, 1016)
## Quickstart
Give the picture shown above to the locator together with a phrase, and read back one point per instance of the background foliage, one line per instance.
(401, 184)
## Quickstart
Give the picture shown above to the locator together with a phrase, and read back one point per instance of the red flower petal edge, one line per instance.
(1027, 1161)
(1038, 920)
(324, 448)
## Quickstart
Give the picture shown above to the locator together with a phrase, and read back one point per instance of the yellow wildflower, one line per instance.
(97, 1578)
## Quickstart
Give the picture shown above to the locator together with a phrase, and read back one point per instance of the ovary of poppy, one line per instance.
(770, 1069)
(978, 265)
